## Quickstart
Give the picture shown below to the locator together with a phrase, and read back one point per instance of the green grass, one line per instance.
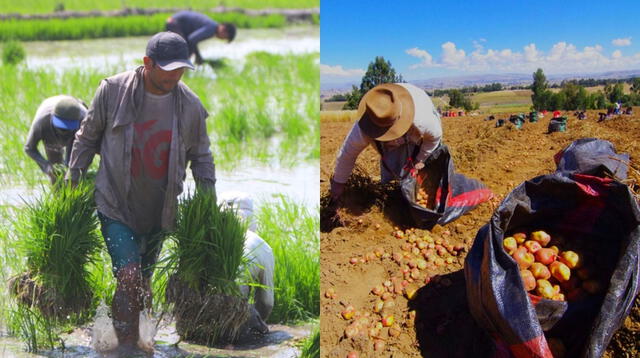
(101, 27)
(264, 112)
(311, 345)
(46, 6)
(292, 231)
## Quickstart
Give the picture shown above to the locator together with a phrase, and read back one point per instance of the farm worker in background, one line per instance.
(195, 27)
(146, 124)
(400, 121)
(261, 262)
(55, 124)
(617, 110)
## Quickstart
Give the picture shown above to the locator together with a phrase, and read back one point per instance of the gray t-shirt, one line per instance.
(150, 161)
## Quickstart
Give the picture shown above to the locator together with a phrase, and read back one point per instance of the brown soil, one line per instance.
(501, 158)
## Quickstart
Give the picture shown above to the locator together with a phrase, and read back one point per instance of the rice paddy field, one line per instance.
(261, 95)
(46, 6)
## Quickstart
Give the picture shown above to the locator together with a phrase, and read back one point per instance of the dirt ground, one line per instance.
(501, 158)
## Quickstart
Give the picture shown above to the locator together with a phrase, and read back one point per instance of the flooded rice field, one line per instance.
(96, 53)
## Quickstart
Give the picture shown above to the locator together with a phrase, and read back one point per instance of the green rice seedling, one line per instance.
(281, 100)
(12, 53)
(292, 231)
(58, 236)
(102, 27)
(35, 330)
(278, 114)
(311, 345)
(207, 259)
(46, 6)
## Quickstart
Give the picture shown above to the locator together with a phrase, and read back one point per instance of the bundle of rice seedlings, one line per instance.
(58, 236)
(207, 258)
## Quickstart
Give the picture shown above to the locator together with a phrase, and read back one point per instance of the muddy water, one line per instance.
(130, 50)
(280, 342)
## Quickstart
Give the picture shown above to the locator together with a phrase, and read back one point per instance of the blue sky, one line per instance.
(426, 39)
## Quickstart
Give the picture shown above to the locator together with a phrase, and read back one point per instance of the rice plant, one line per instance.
(58, 235)
(207, 259)
(276, 123)
(34, 329)
(292, 231)
(102, 27)
(46, 6)
(12, 53)
(311, 345)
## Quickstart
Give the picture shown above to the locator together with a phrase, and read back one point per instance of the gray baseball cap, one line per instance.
(169, 50)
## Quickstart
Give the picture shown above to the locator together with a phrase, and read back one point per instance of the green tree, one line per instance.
(613, 92)
(378, 72)
(456, 98)
(539, 89)
(635, 85)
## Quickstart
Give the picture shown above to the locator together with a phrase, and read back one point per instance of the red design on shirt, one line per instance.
(151, 155)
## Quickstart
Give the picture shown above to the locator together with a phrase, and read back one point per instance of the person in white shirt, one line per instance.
(400, 121)
(261, 261)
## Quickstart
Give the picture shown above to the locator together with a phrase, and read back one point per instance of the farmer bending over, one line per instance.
(400, 121)
(195, 27)
(146, 125)
(261, 263)
(55, 123)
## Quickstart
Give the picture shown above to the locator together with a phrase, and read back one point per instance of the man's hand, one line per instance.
(51, 174)
(337, 189)
(418, 166)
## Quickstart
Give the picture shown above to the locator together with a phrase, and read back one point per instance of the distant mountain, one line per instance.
(509, 79)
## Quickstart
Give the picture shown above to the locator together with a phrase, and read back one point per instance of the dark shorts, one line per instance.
(126, 247)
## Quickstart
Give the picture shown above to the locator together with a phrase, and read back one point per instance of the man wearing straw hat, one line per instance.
(55, 124)
(400, 121)
(146, 125)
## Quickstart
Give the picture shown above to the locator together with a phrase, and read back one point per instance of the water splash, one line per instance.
(103, 335)
(147, 331)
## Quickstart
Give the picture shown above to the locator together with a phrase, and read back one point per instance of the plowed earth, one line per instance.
(501, 158)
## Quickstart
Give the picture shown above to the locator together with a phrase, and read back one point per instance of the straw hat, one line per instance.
(386, 112)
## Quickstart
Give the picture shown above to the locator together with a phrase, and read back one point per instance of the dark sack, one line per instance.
(451, 194)
(596, 214)
(557, 125)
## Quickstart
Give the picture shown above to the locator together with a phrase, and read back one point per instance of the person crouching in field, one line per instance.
(400, 121)
(55, 124)
(146, 125)
(261, 264)
(195, 27)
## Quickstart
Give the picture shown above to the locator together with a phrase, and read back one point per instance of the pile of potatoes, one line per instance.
(550, 272)
(422, 198)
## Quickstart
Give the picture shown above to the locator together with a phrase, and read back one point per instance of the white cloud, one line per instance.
(622, 42)
(562, 57)
(338, 71)
(427, 59)
(451, 55)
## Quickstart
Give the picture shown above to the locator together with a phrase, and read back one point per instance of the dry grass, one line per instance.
(337, 116)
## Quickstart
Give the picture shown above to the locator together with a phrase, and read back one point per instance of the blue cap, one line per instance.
(67, 124)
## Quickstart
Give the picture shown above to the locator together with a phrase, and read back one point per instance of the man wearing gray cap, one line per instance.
(146, 125)
(55, 123)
